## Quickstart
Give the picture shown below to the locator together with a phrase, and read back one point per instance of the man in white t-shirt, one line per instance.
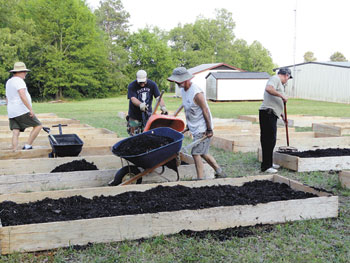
(19, 107)
(199, 120)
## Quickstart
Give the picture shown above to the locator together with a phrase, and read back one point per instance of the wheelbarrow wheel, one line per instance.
(124, 174)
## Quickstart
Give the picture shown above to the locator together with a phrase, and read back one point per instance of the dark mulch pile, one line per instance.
(141, 144)
(321, 153)
(77, 165)
(228, 233)
(158, 199)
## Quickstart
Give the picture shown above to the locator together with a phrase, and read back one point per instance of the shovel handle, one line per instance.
(178, 110)
(158, 102)
(286, 121)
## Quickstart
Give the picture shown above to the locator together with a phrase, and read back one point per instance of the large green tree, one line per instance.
(337, 57)
(17, 39)
(114, 21)
(213, 40)
(150, 52)
(309, 56)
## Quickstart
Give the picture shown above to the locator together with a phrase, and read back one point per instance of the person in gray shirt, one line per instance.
(270, 110)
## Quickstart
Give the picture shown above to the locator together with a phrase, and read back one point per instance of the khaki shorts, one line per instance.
(202, 147)
(23, 121)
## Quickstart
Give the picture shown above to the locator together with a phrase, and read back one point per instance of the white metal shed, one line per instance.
(201, 71)
(326, 81)
(236, 86)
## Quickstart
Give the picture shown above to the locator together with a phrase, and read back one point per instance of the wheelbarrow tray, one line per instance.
(155, 156)
(157, 121)
(67, 145)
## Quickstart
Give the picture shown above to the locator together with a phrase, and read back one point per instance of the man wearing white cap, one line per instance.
(19, 107)
(140, 93)
(199, 120)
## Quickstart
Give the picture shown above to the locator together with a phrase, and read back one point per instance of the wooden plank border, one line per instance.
(36, 237)
(298, 164)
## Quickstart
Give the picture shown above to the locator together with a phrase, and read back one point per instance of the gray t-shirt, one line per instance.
(273, 102)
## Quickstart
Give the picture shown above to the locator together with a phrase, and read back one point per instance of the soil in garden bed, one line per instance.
(321, 153)
(158, 199)
(141, 144)
(77, 165)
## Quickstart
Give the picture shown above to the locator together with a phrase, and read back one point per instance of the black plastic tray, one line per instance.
(67, 145)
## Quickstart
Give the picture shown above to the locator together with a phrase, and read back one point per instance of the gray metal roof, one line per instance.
(330, 63)
(204, 67)
(239, 75)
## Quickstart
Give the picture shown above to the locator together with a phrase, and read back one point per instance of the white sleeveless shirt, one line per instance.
(194, 114)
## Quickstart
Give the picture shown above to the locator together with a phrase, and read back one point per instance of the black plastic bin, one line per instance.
(67, 145)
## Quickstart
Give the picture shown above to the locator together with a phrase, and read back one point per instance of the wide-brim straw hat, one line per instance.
(19, 67)
(180, 75)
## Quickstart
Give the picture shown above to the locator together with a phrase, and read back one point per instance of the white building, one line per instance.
(201, 72)
(327, 81)
(236, 86)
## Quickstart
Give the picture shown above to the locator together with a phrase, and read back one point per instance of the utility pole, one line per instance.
(294, 49)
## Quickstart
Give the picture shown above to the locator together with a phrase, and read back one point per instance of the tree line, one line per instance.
(75, 52)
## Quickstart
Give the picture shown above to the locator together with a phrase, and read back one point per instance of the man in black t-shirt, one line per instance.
(140, 94)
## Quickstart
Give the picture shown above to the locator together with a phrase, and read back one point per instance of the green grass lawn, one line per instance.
(326, 240)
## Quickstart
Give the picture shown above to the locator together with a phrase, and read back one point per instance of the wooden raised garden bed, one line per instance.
(332, 128)
(309, 164)
(344, 179)
(50, 235)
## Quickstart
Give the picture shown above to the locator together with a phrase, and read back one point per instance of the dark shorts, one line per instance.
(202, 147)
(23, 121)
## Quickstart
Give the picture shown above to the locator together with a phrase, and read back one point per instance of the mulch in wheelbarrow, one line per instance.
(76, 165)
(158, 199)
(142, 144)
(321, 153)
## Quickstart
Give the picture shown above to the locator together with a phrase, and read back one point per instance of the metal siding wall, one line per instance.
(211, 88)
(320, 82)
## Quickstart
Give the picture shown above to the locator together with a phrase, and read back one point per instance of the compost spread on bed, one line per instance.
(321, 153)
(141, 144)
(77, 165)
(158, 199)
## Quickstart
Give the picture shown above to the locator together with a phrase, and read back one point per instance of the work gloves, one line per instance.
(163, 110)
(143, 107)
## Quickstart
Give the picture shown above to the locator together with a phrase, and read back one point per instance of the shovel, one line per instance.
(287, 148)
(47, 129)
(187, 148)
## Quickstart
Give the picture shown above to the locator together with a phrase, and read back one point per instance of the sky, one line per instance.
(287, 28)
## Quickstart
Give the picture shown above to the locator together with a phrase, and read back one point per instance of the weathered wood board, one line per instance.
(36, 237)
(103, 139)
(344, 179)
(44, 151)
(251, 144)
(47, 122)
(300, 120)
(39, 116)
(332, 128)
(298, 164)
(85, 179)
(43, 137)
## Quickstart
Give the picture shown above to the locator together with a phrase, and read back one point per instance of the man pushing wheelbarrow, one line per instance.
(199, 120)
(140, 93)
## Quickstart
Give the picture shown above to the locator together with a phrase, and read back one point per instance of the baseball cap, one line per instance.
(141, 76)
(285, 71)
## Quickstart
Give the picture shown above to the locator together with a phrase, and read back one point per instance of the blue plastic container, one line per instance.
(158, 155)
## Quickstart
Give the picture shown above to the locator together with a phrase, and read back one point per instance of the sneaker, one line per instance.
(27, 147)
(271, 170)
(276, 166)
(219, 173)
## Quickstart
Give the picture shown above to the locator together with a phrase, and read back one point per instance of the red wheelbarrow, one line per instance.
(159, 120)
